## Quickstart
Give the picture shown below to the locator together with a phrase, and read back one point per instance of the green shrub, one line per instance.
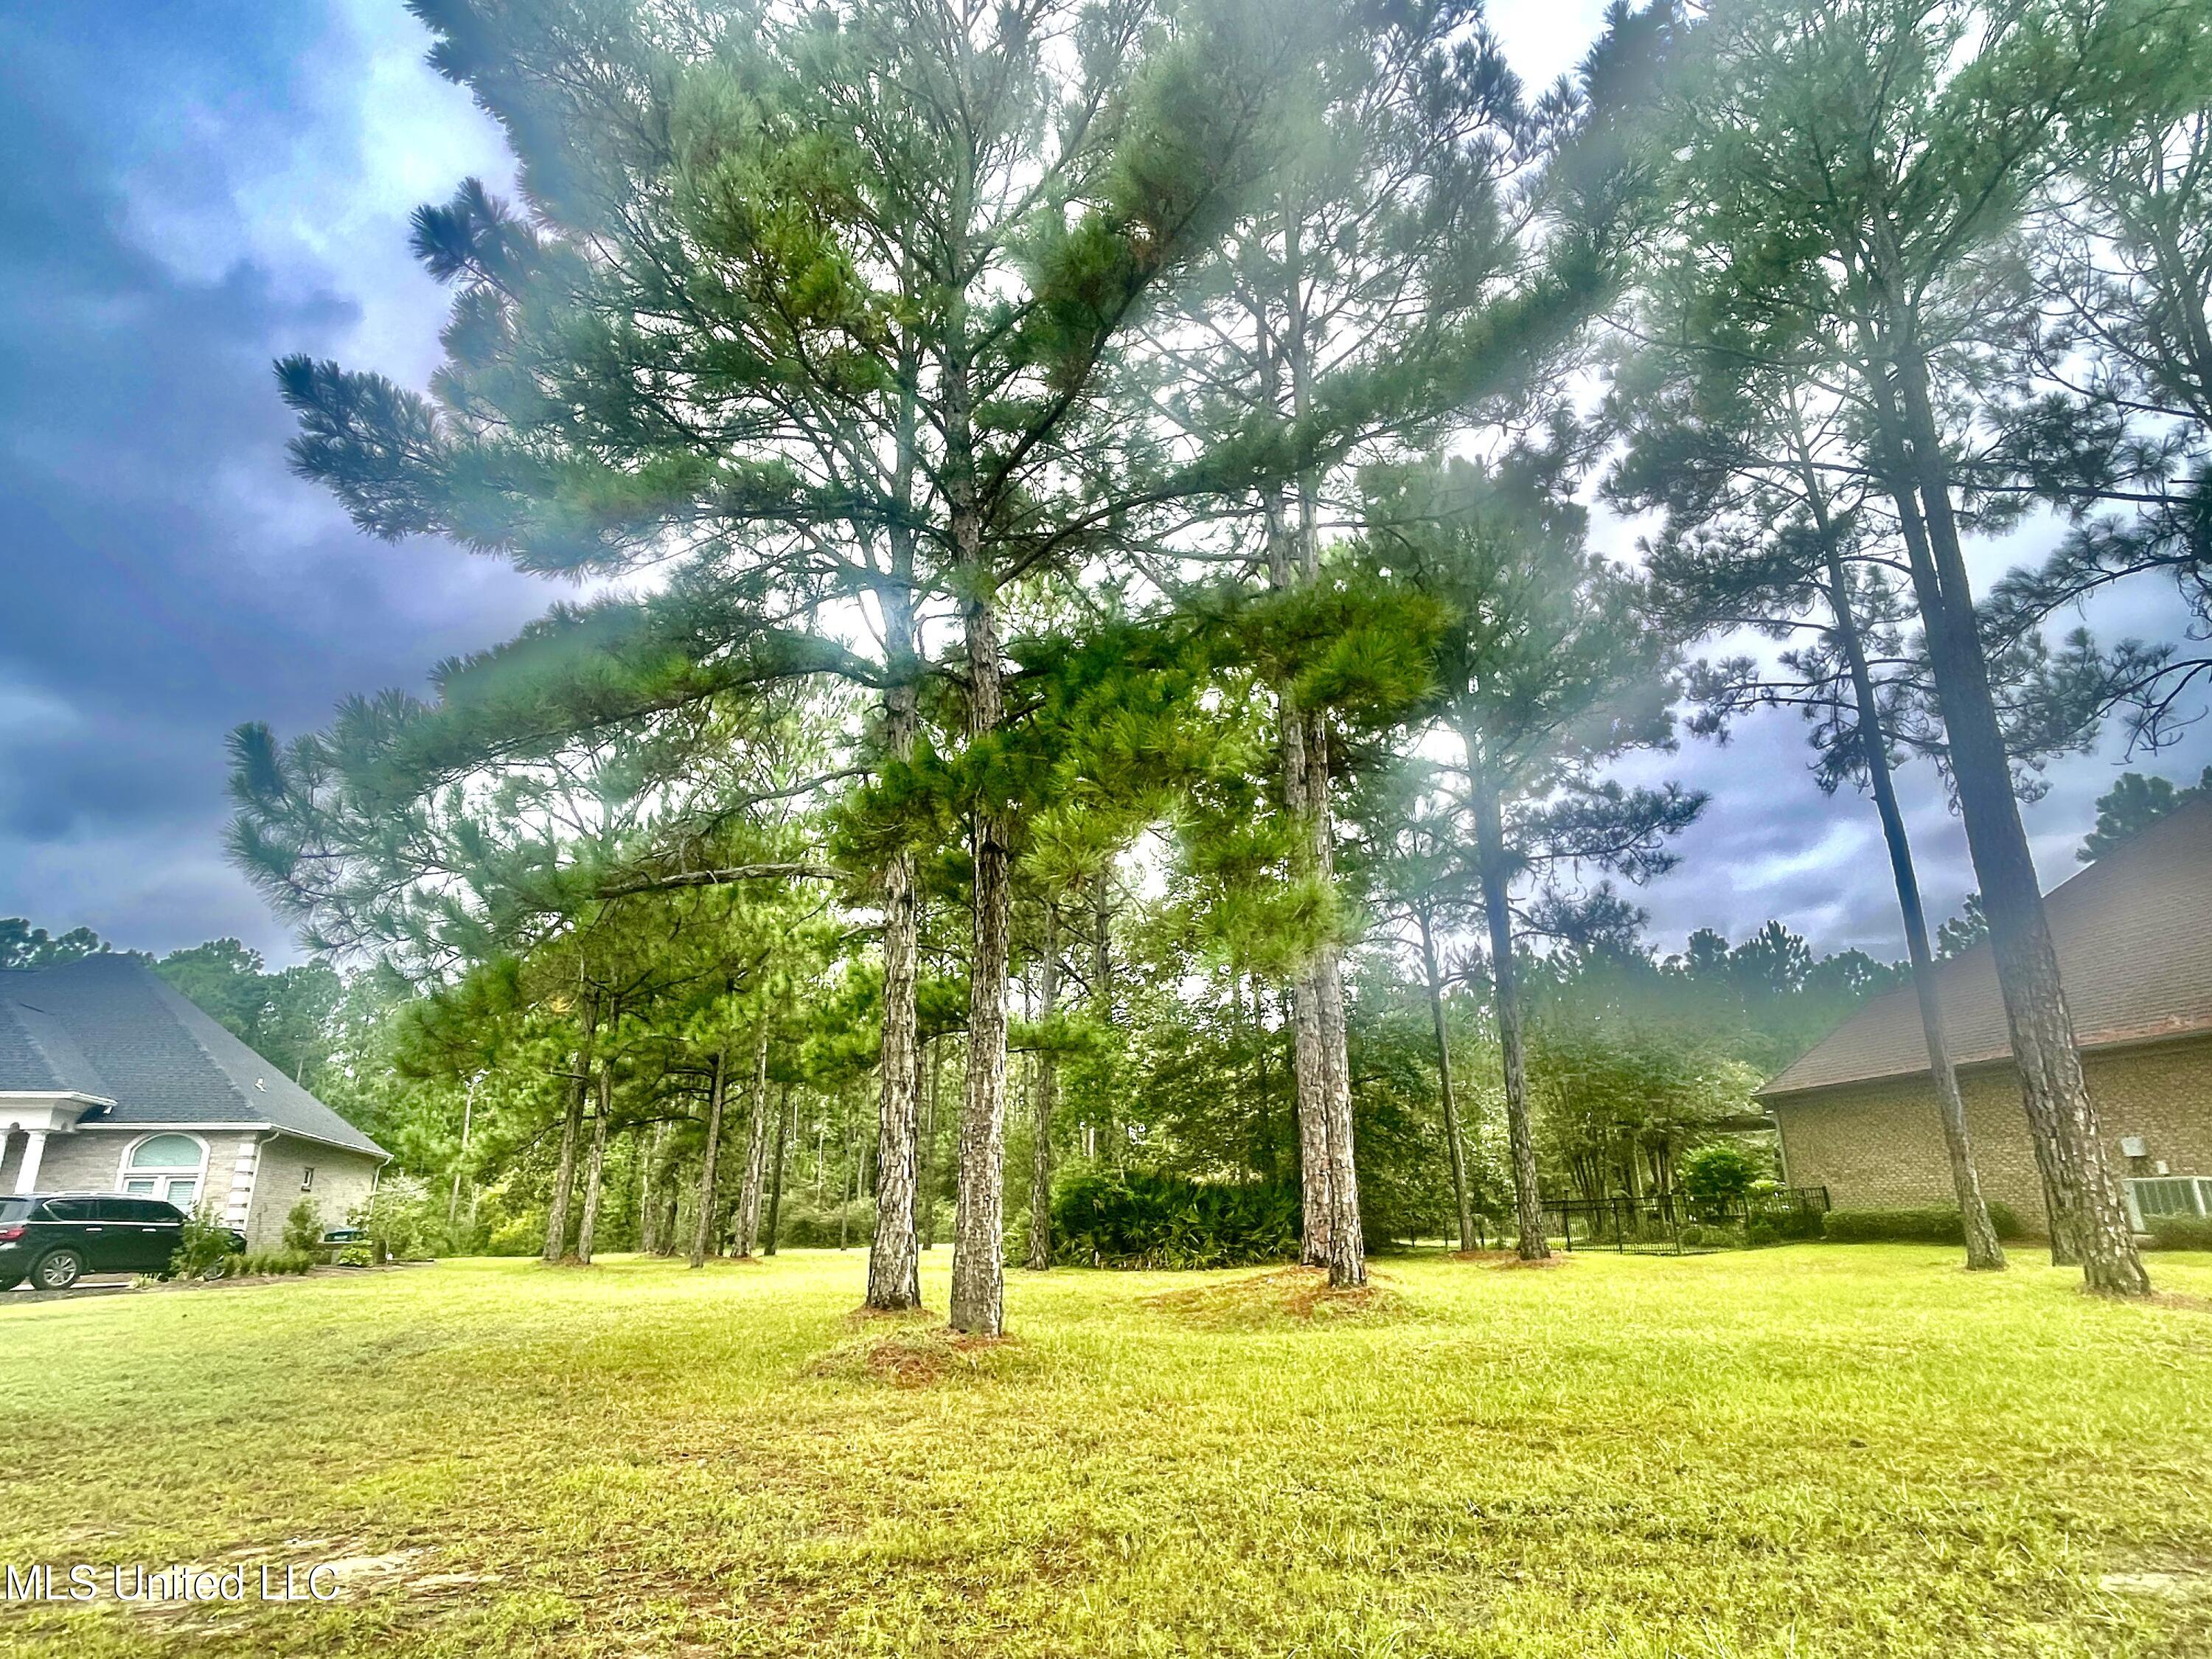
(1135, 1219)
(1935, 1224)
(271, 1261)
(204, 1248)
(801, 1227)
(402, 1218)
(1792, 1221)
(2180, 1232)
(524, 1235)
(1692, 1235)
(1719, 1174)
(1760, 1234)
(303, 1227)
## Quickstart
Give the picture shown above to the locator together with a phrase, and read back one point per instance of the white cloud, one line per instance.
(314, 189)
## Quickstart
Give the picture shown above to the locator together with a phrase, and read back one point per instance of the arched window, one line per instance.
(166, 1166)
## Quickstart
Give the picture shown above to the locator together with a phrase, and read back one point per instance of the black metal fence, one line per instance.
(1674, 1224)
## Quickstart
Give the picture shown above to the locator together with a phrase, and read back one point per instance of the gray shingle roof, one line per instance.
(110, 1026)
(2134, 937)
(37, 1052)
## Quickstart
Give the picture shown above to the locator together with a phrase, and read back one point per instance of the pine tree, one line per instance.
(1376, 285)
(1755, 534)
(1548, 668)
(2131, 806)
(821, 301)
(1412, 859)
(1867, 164)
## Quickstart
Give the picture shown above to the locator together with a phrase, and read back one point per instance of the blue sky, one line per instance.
(195, 188)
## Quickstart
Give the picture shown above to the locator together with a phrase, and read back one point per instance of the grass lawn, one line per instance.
(1811, 1450)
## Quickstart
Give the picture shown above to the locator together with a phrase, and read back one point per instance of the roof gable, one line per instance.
(2134, 937)
(161, 1058)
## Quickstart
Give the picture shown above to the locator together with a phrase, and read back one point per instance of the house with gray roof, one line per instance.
(112, 1081)
(2133, 934)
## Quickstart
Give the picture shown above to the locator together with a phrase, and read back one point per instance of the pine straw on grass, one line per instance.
(1510, 1258)
(1287, 1296)
(903, 1349)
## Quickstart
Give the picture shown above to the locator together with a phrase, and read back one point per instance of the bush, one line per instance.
(402, 1219)
(2180, 1232)
(524, 1235)
(1760, 1234)
(1935, 1224)
(1692, 1235)
(271, 1261)
(303, 1227)
(203, 1249)
(800, 1226)
(1793, 1221)
(1135, 1219)
(1719, 1174)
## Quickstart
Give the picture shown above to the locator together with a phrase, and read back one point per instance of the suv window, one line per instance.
(129, 1209)
(14, 1209)
(71, 1209)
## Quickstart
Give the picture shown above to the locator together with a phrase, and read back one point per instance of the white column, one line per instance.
(27, 1173)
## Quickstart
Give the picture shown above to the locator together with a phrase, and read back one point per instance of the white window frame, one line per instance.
(161, 1178)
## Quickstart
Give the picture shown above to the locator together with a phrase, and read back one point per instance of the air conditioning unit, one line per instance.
(2186, 1196)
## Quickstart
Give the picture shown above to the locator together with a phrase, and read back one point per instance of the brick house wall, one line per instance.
(343, 1183)
(1878, 1145)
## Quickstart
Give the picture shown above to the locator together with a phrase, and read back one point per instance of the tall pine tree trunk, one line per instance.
(1983, 1252)
(749, 1200)
(1102, 988)
(783, 1113)
(2089, 1219)
(1347, 1245)
(1309, 1044)
(1492, 862)
(1047, 1103)
(461, 1161)
(926, 1160)
(1329, 1182)
(979, 1217)
(703, 1227)
(648, 1192)
(894, 1257)
(1462, 1198)
(571, 1123)
(588, 1230)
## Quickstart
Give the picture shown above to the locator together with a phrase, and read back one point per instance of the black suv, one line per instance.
(54, 1239)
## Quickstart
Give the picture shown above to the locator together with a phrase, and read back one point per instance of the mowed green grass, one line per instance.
(1811, 1450)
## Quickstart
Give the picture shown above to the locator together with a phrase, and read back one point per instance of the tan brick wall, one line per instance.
(1878, 1145)
(342, 1181)
(87, 1160)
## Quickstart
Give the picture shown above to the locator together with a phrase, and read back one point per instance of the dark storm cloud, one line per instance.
(165, 578)
(1771, 844)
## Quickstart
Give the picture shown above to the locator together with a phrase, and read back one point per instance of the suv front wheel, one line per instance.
(58, 1270)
